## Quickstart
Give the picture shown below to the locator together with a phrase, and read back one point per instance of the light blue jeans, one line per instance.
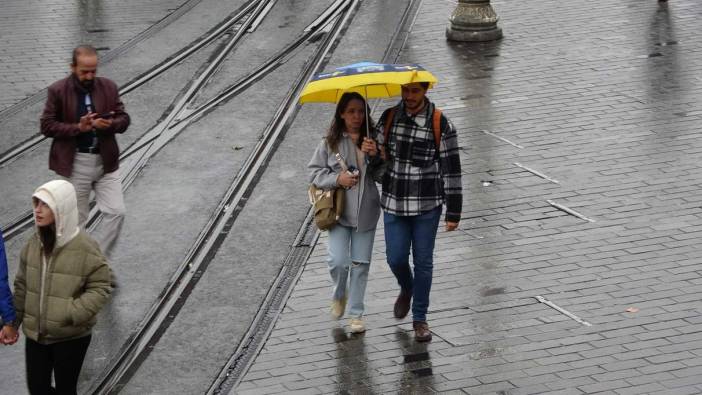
(348, 257)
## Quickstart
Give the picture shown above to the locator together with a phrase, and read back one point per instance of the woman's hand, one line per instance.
(369, 147)
(346, 179)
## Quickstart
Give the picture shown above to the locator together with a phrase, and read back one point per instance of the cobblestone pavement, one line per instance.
(581, 157)
(37, 35)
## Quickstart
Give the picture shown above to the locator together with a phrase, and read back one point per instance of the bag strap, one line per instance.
(436, 125)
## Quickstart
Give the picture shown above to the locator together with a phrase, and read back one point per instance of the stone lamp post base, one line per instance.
(473, 20)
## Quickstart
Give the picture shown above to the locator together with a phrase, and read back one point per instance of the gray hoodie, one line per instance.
(362, 202)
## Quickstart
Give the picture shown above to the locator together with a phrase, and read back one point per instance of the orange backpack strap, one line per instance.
(436, 123)
(388, 124)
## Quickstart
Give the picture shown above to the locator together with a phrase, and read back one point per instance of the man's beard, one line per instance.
(414, 105)
(87, 84)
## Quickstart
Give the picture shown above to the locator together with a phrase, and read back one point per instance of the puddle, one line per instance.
(424, 372)
(422, 356)
(492, 291)
(487, 353)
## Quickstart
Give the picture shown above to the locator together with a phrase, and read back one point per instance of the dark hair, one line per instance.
(82, 50)
(338, 127)
(424, 85)
(47, 235)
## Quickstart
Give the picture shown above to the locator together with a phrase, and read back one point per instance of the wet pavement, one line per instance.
(575, 268)
(37, 36)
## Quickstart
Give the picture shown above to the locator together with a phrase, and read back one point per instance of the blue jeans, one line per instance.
(419, 233)
(348, 257)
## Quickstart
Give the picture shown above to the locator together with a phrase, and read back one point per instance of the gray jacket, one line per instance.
(362, 202)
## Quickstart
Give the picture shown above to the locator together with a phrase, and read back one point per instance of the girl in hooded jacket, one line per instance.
(350, 243)
(62, 283)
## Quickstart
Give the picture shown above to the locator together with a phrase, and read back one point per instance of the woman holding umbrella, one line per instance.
(348, 158)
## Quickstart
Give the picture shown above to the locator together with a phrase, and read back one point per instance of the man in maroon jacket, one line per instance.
(82, 114)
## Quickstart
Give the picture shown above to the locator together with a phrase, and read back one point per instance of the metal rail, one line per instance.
(181, 284)
(112, 54)
(27, 145)
(24, 221)
(129, 356)
(238, 364)
(258, 332)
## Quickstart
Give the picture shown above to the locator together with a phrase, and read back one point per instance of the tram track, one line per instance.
(179, 116)
(330, 26)
(238, 364)
(109, 56)
(218, 31)
(251, 11)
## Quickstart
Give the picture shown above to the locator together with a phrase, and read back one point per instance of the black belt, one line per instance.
(95, 150)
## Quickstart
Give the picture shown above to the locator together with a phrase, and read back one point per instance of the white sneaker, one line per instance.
(357, 325)
(337, 308)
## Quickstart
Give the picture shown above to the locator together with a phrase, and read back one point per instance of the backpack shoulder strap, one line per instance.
(388, 124)
(436, 124)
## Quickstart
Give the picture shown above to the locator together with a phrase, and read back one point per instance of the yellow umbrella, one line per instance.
(371, 80)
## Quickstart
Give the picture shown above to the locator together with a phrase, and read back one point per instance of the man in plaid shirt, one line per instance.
(420, 178)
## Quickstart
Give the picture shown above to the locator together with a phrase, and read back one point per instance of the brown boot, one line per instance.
(421, 331)
(402, 304)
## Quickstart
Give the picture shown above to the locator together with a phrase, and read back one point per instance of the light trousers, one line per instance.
(88, 175)
(348, 256)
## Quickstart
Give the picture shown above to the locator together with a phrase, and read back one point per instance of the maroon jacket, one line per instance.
(60, 121)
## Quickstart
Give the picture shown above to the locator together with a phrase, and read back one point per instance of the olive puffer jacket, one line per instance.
(58, 297)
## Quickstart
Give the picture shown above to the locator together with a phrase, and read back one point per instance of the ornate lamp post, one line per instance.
(473, 20)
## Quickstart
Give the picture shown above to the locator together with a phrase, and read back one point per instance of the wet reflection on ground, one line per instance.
(417, 373)
(352, 371)
(662, 71)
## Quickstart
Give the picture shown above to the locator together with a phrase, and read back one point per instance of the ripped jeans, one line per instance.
(348, 257)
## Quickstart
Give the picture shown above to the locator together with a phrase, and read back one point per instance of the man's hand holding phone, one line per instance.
(86, 123)
(103, 120)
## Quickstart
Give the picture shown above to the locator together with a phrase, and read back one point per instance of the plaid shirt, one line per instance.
(417, 179)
